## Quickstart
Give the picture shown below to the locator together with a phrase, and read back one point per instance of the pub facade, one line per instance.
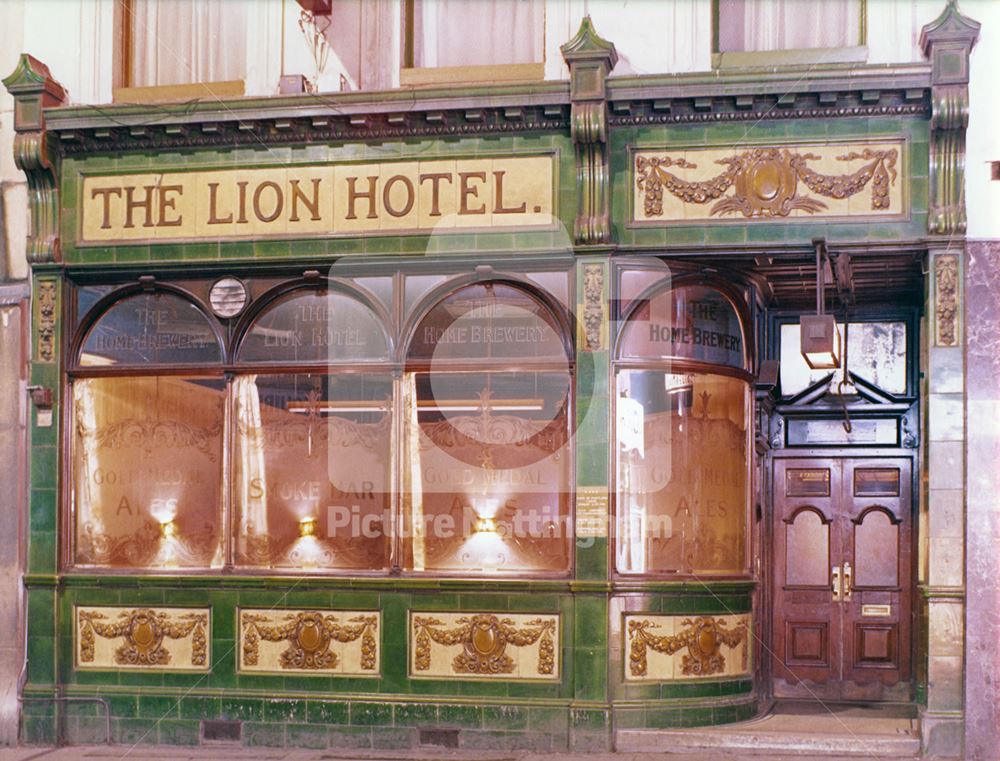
(515, 416)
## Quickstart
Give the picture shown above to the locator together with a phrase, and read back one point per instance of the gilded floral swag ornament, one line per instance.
(484, 639)
(765, 182)
(702, 636)
(309, 635)
(144, 631)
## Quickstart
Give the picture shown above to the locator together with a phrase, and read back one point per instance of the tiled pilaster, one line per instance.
(943, 479)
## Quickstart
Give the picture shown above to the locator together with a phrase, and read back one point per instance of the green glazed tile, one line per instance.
(264, 734)
(370, 714)
(327, 712)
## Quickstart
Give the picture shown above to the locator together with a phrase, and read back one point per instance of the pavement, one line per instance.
(175, 753)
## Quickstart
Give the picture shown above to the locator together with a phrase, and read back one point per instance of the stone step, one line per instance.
(787, 736)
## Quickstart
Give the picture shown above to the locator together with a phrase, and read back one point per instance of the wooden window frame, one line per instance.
(790, 56)
(417, 76)
(123, 88)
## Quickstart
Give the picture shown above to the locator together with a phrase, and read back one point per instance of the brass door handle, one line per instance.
(847, 581)
(835, 572)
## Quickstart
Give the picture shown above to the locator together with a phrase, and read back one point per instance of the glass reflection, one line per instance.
(147, 472)
(312, 470)
(315, 326)
(486, 472)
(151, 329)
(682, 472)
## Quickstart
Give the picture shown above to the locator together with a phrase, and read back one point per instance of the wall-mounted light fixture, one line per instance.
(820, 339)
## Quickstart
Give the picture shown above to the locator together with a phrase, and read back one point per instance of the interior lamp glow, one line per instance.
(819, 339)
(168, 529)
(307, 527)
(485, 526)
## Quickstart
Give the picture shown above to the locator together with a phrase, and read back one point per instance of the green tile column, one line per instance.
(589, 717)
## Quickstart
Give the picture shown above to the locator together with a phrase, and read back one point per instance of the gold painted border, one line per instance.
(553, 153)
(209, 633)
(376, 674)
(905, 196)
(556, 678)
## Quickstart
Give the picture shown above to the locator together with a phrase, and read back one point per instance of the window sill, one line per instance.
(510, 72)
(235, 88)
(760, 59)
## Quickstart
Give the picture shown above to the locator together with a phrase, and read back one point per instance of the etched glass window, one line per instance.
(487, 462)
(312, 464)
(147, 472)
(151, 329)
(682, 436)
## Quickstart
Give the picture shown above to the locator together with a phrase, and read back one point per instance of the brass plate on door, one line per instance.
(876, 610)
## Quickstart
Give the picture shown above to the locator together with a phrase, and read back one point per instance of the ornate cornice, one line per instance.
(270, 129)
(712, 109)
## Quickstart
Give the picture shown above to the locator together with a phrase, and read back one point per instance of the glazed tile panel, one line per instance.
(151, 639)
(321, 642)
(502, 646)
(665, 648)
(838, 180)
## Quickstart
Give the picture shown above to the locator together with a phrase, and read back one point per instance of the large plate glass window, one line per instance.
(312, 433)
(682, 454)
(147, 437)
(486, 471)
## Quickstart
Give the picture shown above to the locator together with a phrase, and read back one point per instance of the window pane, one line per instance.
(682, 472)
(151, 329)
(691, 322)
(758, 25)
(312, 470)
(147, 472)
(186, 41)
(486, 476)
(315, 326)
(488, 321)
(477, 32)
(877, 353)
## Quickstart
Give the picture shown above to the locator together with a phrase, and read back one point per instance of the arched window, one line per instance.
(486, 400)
(682, 429)
(312, 433)
(147, 436)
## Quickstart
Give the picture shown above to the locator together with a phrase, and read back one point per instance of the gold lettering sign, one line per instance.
(318, 200)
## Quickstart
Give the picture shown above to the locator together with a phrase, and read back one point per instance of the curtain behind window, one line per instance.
(754, 25)
(478, 32)
(188, 41)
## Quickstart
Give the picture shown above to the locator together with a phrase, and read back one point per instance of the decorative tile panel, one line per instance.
(309, 641)
(663, 648)
(508, 646)
(799, 181)
(161, 639)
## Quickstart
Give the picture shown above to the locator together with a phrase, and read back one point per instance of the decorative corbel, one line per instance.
(590, 60)
(947, 42)
(34, 90)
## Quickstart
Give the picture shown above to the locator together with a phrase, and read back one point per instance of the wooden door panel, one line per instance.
(807, 549)
(808, 643)
(877, 613)
(853, 514)
(876, 550)
(876, 646)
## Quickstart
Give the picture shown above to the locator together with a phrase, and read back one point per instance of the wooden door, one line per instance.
(842, 578)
